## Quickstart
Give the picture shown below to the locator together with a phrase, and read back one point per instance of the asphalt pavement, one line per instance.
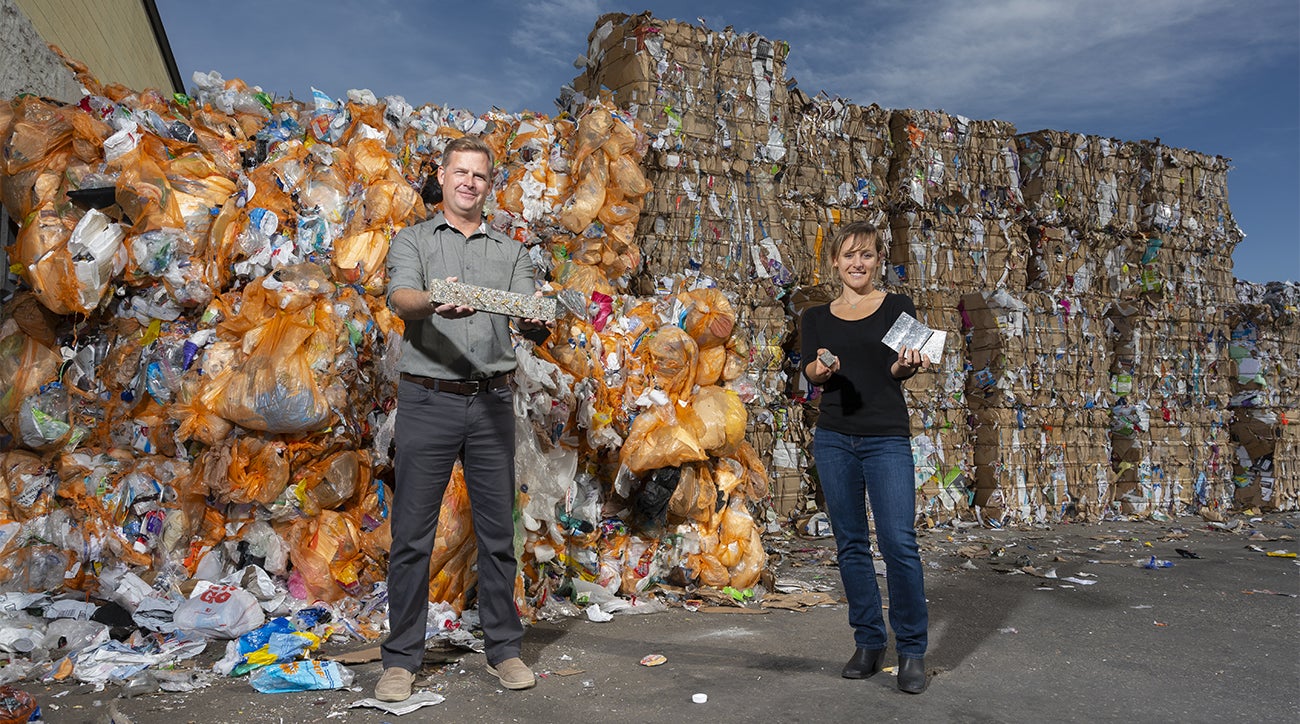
(1067, 623)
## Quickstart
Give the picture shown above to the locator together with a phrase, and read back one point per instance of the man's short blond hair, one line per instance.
(475, 144)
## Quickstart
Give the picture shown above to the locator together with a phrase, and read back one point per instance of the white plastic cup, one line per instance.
(699, 698)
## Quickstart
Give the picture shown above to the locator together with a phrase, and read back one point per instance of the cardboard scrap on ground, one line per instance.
(798, 601)
(730, 609)
(716, 598)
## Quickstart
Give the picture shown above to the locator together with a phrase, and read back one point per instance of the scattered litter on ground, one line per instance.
(417, 700)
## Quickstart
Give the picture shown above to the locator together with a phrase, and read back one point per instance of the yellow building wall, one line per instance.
(112, 37)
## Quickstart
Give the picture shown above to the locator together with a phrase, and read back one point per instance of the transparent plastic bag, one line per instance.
(25, 365)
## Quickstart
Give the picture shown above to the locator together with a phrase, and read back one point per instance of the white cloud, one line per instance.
(554, 30)
(1055, 60)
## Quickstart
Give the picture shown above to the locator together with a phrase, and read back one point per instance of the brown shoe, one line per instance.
(394, 685)
(514, 674)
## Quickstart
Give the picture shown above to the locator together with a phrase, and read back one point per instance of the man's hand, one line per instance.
(450, 311)
(533, 328)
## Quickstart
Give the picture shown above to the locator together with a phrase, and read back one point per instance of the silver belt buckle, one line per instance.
(476, 386)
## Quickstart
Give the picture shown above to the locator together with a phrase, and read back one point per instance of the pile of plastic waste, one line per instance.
(197, 374)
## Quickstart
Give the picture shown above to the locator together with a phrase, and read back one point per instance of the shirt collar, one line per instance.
(440, 220)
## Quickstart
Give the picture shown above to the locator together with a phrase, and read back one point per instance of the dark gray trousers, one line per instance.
(433, 429)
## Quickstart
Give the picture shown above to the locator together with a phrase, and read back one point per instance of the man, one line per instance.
(454, 400)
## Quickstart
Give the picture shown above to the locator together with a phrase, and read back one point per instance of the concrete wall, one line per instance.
(27, 65)
(114, 38)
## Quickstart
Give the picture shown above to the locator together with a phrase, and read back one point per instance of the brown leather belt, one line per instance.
(459, 387)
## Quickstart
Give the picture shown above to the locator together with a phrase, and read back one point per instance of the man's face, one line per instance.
(465, 181)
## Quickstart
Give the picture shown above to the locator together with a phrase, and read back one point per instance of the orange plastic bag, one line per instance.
(88, 134)
(594, 129)
(709, 316)
(259, 470)
(708, 570)
(386, 203)
(455, 550)
(589, 196)
(585, 278)
(26, 190)
(740, 547)
(331, 481)
(143, 191)
(41, 252)
(28, 486)
(370, 160)
(221, 138)
(673, 356)
(618, 213)
(621, 141)
(39, 129)
(755, 479)
(657, 440)
(33, 156)
(326, 553)
(721, 417)
(621, 238)
(696, 496)
(274, 390)
(359, 259)
(737, 361)
(287, 334)
(712, 361)
(625, 174)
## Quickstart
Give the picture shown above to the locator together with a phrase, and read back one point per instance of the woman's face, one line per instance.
(858, 263)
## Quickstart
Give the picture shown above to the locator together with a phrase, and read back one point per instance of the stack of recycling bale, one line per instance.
(1265, 402)
(1108, 237)
(837, 170)
(1082, 197)
(954, 192)
(1172, 288)
(714, 106)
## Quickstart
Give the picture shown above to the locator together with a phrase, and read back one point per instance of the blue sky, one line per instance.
(1216, 77)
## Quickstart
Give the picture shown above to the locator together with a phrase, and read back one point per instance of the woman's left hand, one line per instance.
(909, 361)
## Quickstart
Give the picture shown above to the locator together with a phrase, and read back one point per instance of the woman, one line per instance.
(862, 448)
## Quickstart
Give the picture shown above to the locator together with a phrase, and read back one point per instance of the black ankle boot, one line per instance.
(865, 664)
(911, 675)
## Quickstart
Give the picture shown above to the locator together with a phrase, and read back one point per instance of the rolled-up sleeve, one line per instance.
(405, 269)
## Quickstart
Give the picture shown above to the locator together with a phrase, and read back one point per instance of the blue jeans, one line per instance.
(851, 467)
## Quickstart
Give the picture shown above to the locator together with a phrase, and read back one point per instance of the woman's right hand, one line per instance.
(819, 370)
